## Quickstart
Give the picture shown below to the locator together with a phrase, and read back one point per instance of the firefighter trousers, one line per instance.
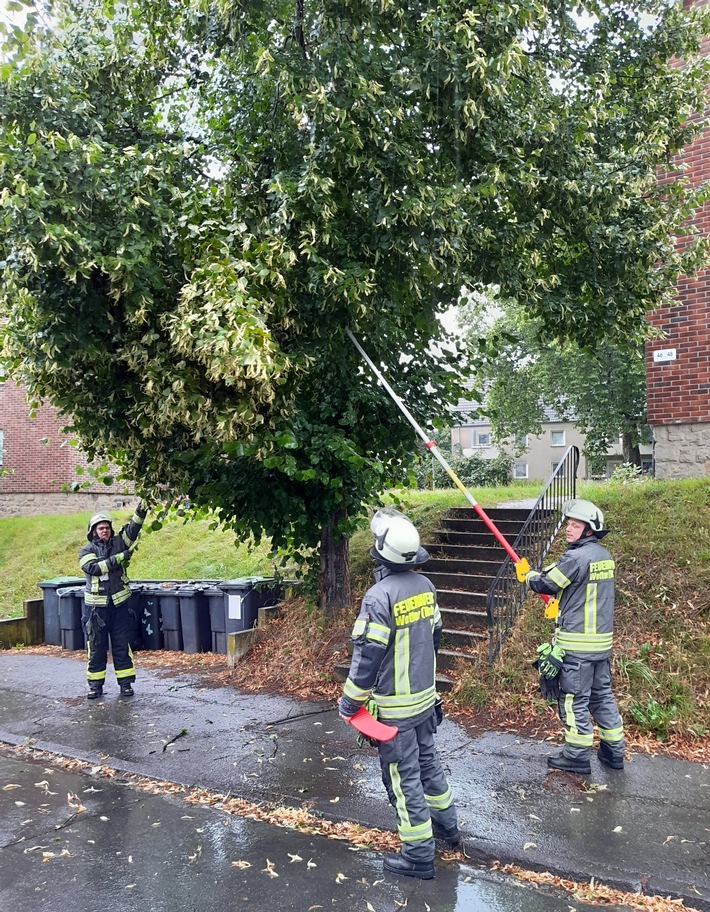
(585, 690)
(117, 627)
(417, 788)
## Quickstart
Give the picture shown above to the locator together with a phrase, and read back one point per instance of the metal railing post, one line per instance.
(506, 594)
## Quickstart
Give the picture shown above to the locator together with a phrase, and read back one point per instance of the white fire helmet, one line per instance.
(95, 520)
(396, 539)
(585, 511)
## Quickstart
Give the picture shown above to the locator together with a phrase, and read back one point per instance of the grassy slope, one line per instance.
(660, 539)
(42, 547)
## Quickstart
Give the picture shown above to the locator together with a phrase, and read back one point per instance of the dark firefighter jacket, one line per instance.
(105, 576)
(394, 654)
(584, 579)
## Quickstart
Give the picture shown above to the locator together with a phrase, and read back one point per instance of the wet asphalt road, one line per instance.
(84, 843)
(645, 828)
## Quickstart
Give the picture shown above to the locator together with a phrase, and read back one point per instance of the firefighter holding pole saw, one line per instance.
(393, 675)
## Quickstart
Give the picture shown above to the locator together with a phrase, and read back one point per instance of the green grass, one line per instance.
(37, 548)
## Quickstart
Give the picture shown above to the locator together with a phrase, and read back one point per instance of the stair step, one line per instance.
(519, 514)
(341, 670)
(463, 619)
(439, 550)
(466, 639)
(450, 658)
(457, 598)
(472, 539)
(505, 527)
(465, 582)
(485, 568)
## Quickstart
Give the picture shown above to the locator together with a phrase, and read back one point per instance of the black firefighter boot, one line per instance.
(398, 864)
(451, 837)
(96, 690)
(562, 762)
(126, 689)
(606, 757)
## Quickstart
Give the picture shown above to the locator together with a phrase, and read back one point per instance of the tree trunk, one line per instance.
(630, 449)
(335, 588)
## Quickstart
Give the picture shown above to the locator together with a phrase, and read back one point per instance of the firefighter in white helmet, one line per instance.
(393, 673)
(106, 596)
(576, 666)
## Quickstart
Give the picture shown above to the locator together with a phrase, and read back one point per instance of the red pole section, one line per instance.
(522, 565)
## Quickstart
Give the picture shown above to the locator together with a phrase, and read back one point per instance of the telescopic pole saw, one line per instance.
(521, 564)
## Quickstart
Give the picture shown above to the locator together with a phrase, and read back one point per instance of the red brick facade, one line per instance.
(40, 457)
(678, 385)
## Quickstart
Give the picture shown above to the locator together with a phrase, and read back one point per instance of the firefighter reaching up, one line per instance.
(575, 668)
(106, 596)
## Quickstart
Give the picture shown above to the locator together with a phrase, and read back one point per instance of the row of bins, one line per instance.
(192, 616)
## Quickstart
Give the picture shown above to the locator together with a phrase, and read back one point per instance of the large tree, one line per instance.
(198, 197)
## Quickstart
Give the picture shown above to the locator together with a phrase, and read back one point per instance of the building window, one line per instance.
(521, 441)
(557, 438)
(520, 470)
(484, 440)
(553, 469)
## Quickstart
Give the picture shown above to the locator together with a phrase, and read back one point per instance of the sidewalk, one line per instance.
(645, 828)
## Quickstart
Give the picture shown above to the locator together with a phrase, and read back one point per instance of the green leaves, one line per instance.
(196, 203)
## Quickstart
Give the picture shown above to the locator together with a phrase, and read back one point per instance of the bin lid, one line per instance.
(61, 581)
(69, 590)
(244, 582)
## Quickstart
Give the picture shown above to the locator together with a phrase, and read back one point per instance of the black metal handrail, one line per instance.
(506, 594)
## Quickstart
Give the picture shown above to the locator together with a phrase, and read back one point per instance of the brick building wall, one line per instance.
(41, 460)
(678, 364)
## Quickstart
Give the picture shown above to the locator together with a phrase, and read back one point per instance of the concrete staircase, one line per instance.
(465, 558)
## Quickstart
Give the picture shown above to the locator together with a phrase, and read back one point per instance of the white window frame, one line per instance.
(521, 441)
(487, 435)
(552, 439)
(520, 465)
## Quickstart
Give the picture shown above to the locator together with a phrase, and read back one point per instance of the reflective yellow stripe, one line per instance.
(378, 633)
(590, 609)
(558, 578)
(416, 833)
(353, 692)
(96, 675)
(611, 734)
(584, 642)
(95, 601)
(579, 740)
(402, 687)
(570, 720)
(402, 706)
(126, 672)
(120, 597)
(440, 802)
(87, 558)
(400, 803)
